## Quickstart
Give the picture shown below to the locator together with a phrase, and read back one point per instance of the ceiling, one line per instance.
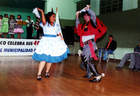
(23, 3)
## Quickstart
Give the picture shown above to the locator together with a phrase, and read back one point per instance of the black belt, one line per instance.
(89, 41)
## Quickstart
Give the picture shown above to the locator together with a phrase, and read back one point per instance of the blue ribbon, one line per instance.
(49, 35)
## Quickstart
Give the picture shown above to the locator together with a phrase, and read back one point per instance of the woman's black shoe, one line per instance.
(47, 75)
(39, 78)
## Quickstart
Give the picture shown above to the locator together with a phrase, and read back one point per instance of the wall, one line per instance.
(127, 5)
(130, 4)
(95, 6)
(124, 26)
(66, 8)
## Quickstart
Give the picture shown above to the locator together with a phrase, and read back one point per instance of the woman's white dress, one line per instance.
(51, 48)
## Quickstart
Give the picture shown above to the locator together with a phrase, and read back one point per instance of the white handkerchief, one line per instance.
(35, 11)
(83, 10)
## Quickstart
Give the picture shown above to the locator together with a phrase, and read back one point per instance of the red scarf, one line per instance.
(91, 30)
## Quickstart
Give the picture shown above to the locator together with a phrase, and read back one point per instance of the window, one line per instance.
(81, 4)
(107, 6)
(138, 3)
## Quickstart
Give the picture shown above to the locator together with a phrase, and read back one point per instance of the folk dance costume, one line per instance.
(18, 28)
(11, 26)
(5, 25)
(38, 27)
(0, 26)
(89, 33)
(51, 48)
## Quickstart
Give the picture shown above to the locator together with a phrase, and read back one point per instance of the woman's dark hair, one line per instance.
(1, 16)
(83, 13)
(5, 15)
(12, 16)
(49, 14)
(19, 15)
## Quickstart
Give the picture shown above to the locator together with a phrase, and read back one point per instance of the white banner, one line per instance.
(15, 47)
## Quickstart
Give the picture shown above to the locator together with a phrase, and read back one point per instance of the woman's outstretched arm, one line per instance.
(43, 16)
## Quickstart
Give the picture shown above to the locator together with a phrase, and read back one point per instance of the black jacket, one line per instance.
(137, 48)
(112, 46)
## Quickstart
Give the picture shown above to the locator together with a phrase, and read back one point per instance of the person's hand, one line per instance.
(62, 38)
(87, 7)
(77, 14)
(39, 9)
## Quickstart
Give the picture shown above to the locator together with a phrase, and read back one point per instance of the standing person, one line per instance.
(0, 25)
(52, 48)
(109, 48)
(12, 22)
(30, 25)
(5, 25)
(89, 32)
(18, 29)
(38, 27)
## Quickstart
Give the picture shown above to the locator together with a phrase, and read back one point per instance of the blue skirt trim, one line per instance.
(49, 58)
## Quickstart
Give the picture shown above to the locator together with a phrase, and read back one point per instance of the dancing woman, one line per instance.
(52, 48)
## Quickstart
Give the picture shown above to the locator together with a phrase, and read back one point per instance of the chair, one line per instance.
(98, 56)
(108, 57)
